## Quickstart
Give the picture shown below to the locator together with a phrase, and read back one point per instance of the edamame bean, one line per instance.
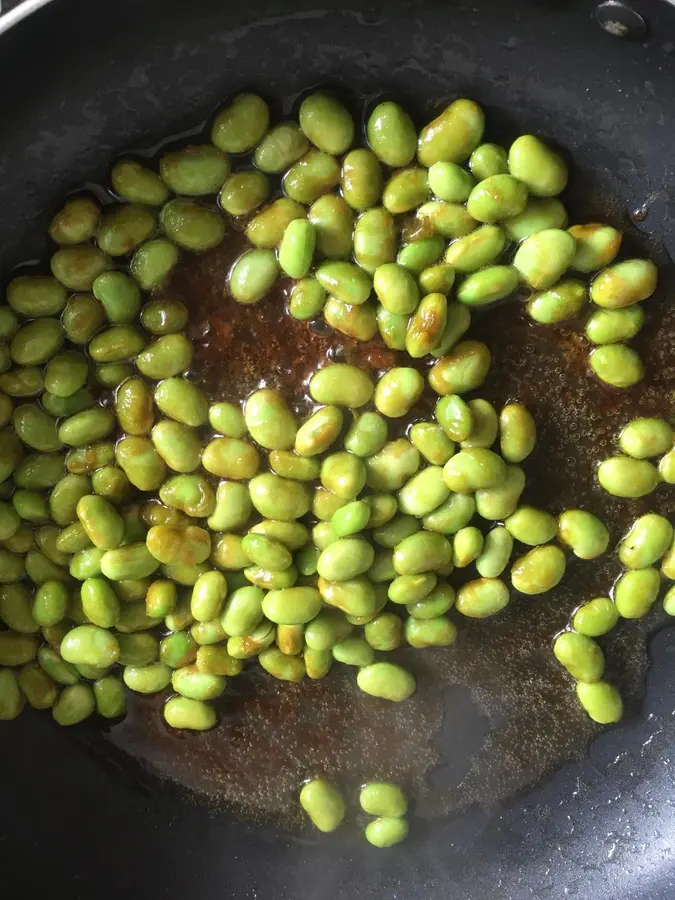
(482, 598)
(432, 442)
(532, 526)
(610, 326)
(646, 542)
(624, 284)
(396, 289)
(279, 497)
(361, 179)
(488, 286)
(243, 192)
(538, 571)
(642, 438)
(241, 125)
(424, 492)
(110, 697)
(392, 328)
(487, 160)
(580, 655)
(626, 477)
(74, 704)
(90, 645)
(194, 170)
(597, 245)
(391, 134)
(185, 713)
(77, 267)
(405, 190)
(450, 220)
(76, 221)
(543, 257)
(358, 322)
(474, 469)
(397, 391)
(340, 384)
(534, 163)
(617, 365)
(191, 225)
(463, 369)
(601, 701)
(351, 519)
(384, 632)
(323, 804)
(312, 175)
(583, 532)
(563, 301)
(266, 229)
(280, 148)
(667, 467)
(138, 184)
(386, 831)
(327, 123)
(421, 552)
(389, 469)
(383, 799)
(353, 651)
(595, 617)
(386, 680)
(297, 248)
(495, 553)
(453, 135)
(636, 591)
(497, 197)
(190, 682)
(375, 239)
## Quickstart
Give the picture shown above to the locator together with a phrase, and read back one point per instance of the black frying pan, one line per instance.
(81, 81)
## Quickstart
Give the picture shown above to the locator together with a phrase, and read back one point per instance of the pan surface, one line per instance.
(83, 82)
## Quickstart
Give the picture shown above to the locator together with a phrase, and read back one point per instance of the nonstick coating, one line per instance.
(80, 81)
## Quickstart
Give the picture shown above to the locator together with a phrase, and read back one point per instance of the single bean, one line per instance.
(138, 184)
(587, 536)
(74, 704)
(386, 831)
(610, 326)
(487, 160)
(193, 715)
(241, 125)
(194, 170)
(280, 148)
(531, 526)
(595, 617)
(617, 365)
(386, 680)
(361, 179)
(497, 197)
(642, 438)
(375, 239)
(191, 225)
(601, 701)
(626, 477)
(580, 655)
(391, 134)
(463, 369)
(482, 598)
(534, 163)
(453, 135)
(244, 192)
(543, 257)
(624, 284)
(538, 571)
(266, 229)
(323, 804)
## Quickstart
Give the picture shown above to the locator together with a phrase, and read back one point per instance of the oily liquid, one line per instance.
(493, 713)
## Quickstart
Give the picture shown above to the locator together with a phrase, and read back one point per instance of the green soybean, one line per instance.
(386, 680)
(617, 365)
(538, 571)
(623, 476)
(595, 617)
(601, 701)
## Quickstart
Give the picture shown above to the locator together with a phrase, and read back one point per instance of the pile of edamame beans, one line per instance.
(153, 540)
(649, 540)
